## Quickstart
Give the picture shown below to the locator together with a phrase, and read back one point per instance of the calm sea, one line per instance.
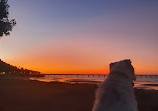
(142, 81)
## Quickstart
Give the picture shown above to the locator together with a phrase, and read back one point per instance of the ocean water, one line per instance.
(142, 81)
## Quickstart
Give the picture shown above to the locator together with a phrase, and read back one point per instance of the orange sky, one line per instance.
(76, 59)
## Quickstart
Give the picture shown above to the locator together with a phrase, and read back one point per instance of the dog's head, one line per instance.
(124, 68)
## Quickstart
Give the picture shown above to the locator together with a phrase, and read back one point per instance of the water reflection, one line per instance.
(145, 82)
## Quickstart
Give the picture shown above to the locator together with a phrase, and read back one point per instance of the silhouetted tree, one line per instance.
(6, 25)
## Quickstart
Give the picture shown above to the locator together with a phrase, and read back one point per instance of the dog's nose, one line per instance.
(133, 83)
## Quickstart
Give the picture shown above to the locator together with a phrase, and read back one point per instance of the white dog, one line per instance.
(116, 92)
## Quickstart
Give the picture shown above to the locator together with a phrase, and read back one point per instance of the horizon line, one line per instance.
(92, 74)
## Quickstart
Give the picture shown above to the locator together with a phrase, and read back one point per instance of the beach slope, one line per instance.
(27, 95)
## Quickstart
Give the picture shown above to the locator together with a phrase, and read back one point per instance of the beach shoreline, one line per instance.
(22, 94)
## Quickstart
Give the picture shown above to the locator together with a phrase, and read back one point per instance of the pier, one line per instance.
(99, 76)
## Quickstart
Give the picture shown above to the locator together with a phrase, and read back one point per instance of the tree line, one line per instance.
(8, 69)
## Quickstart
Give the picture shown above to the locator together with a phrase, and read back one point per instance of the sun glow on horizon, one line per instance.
(47, 68)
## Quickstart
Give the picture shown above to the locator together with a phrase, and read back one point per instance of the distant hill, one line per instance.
(7, 69)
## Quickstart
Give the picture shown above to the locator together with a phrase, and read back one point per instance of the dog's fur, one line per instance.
(116, 92)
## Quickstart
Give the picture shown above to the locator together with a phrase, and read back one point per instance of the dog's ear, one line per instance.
(111, 65)
(127, 61)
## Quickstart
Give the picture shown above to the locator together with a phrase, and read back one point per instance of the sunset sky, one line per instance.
(82, 36)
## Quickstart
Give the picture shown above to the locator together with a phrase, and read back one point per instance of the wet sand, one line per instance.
(27, 95)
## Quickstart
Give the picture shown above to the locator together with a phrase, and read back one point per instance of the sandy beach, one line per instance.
(28, 95)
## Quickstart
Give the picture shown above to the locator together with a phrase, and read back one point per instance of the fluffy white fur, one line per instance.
(116, 92)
